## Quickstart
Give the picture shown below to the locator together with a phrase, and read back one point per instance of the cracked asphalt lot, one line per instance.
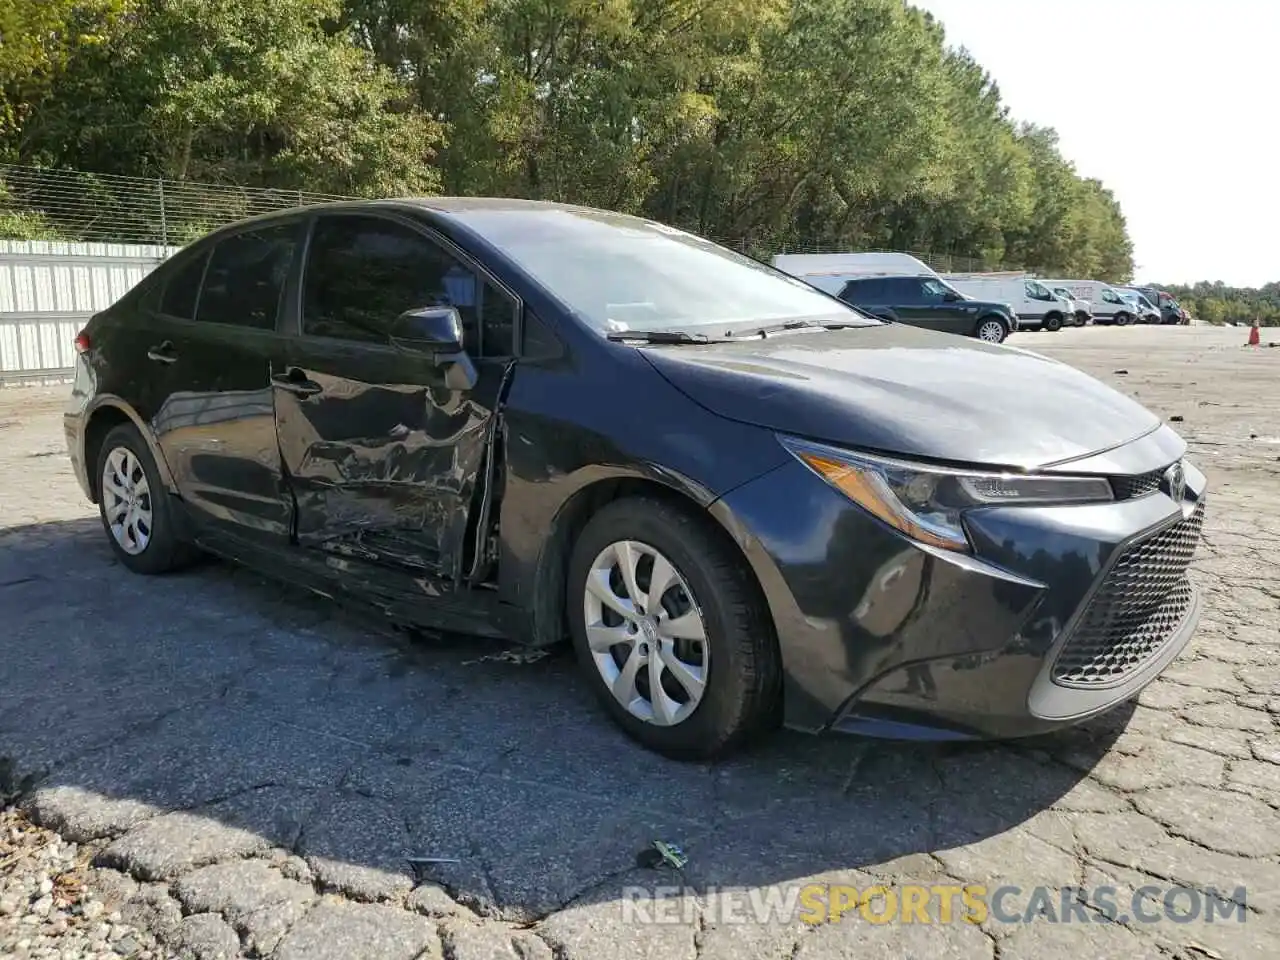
(231, 769)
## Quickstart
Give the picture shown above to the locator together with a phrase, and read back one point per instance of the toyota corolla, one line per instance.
(743, 501)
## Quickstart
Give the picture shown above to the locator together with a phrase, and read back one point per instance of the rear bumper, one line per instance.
(73, 431)
(883, 637)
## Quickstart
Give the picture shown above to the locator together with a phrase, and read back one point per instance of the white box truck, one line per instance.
(1037, 307)
(1109, 307)
(829, 272)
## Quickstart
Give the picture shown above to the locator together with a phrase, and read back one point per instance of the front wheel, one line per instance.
(671, 631)
(992, 330)
(137, 513)
(1053, 323)
(1123, 319)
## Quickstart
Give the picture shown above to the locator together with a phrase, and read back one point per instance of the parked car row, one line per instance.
(903, 289)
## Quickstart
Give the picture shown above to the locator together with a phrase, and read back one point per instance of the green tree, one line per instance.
(230, 90)
(37, 38)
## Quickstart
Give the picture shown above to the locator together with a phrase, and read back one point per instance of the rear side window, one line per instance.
(180, 292)
(863, 291)
(905, 291)
(245, 280)
(363, 272)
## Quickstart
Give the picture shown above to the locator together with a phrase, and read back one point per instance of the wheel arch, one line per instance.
(107, 413)
(550, 575)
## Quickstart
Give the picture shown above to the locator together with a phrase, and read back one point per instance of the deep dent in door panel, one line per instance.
(407, 452)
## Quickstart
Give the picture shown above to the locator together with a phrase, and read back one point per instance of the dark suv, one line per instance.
(930, 303)
(743, 500)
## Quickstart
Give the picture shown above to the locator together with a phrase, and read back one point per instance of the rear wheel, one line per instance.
(992, 330)
(137, 513)
(1053, 322)
(671, 631)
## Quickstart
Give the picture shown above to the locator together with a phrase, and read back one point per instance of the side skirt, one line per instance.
(406, 600)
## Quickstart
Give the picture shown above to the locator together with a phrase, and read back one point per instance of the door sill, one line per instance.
(406, 598)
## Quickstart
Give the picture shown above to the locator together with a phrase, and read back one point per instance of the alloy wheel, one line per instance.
(646, 634)
(126, 501)
(992, 331)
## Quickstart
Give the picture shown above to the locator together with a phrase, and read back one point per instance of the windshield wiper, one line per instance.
(658, 336)
(796, 325)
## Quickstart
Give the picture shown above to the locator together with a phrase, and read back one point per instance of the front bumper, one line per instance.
(883, 637)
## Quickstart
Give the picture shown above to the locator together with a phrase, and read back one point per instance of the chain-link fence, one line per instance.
(71, 205)
(74, 206)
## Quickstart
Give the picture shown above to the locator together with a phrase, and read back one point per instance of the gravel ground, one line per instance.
(210, 766)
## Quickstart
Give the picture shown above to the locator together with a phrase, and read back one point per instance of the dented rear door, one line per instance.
(384, 458)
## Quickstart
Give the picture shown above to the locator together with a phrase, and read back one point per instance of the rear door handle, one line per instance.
(163, 353)
(296, 383)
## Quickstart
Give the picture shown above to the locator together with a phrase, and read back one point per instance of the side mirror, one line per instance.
(429, 328)
(436, 332)
(951, 296)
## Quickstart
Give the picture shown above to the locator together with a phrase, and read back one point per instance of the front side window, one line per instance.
(1110, 296)
(934, 290)
(245, 280)
(1037, 291)
(618, 273)
(363, 272)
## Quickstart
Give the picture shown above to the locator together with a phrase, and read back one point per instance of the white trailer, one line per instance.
(829, 272)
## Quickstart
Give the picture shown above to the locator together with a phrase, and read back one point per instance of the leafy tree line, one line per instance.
(800, 124)
(1218, 303)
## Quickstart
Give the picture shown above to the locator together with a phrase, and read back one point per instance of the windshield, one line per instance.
(622, 273)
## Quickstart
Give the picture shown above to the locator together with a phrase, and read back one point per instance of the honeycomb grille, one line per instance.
(1130, 488)
(1142, 600)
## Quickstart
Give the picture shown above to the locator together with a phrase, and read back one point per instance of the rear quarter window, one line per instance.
(182, 287)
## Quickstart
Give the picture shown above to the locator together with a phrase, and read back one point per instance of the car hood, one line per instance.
(907, 391)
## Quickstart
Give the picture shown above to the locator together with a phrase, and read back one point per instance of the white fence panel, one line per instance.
(48, 290)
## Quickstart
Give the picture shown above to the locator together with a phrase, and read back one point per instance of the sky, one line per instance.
(1173, 104)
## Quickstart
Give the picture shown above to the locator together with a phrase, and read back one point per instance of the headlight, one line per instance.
(927, 502)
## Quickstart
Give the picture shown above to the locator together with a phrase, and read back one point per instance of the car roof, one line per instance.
(451, 208)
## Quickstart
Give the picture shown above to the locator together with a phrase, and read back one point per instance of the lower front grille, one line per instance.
(1142, 601)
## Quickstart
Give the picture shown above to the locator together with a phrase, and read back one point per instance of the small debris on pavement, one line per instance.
(421, 865)
(662, 854)
(515, 655)
(1176, 418)
(1121, 372)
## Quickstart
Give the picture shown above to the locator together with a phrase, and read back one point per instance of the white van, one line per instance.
(829, 272)
(1109, 305)
(1080, 308)
(1037, 307)
(1148, 312)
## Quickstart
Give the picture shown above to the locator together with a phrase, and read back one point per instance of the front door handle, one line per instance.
(297, 383)
(163, 353)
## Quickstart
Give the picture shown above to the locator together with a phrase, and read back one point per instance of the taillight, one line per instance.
(82, 342)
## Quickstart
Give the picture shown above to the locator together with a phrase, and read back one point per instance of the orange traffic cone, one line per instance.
(1253, 335)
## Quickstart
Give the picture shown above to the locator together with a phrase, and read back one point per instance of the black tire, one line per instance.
(1053, 322)
(988, 323)
(1123, 319)
(742, 690)
(165, 551)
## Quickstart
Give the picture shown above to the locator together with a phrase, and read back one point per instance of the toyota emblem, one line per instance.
(1176, 481)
